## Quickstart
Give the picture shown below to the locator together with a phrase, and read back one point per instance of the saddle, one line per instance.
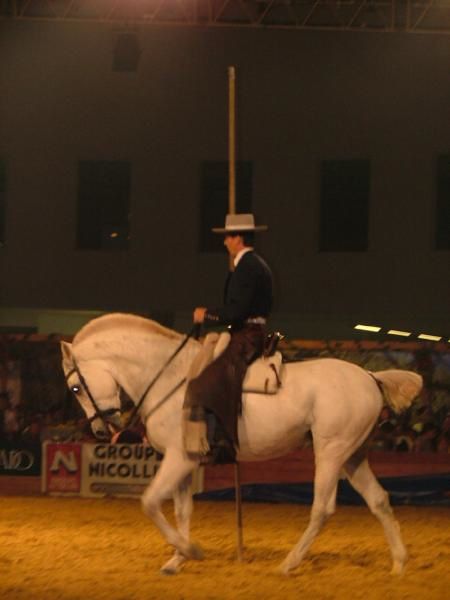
(263, 376)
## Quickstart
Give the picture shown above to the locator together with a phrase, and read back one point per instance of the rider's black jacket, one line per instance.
(248, 293)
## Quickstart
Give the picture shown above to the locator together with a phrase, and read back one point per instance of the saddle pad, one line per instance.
(264, 375)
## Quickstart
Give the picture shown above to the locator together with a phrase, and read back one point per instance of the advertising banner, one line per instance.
(117, 469)
(20, 459)
(96, 470)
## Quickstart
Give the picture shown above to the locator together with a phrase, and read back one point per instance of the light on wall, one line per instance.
(399, 332)
(373, 328)
(427, 336)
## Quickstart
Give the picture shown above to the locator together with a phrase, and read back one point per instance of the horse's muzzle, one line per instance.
(104, 429)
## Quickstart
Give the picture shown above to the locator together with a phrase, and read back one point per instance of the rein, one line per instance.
(193, 333)
(163, 400)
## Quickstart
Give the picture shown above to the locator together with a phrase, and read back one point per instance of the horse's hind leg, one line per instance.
(174, 469)
(183, 504)
(325, 484)
(363, 480)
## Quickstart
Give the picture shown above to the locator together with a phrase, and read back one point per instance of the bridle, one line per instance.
(103, 415)
(98, 412)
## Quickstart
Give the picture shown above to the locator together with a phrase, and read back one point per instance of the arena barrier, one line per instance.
(420, 490)
(97, 470)
(408, 477)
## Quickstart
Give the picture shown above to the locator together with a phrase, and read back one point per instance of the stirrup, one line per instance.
(195, 434)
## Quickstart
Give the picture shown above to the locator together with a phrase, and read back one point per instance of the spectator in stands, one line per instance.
(382, 438)
(423, 359)
(11, 423)
(32, 432)
(403, 439)
(443, 442)
(427, 440)
(46, 427)
(82, 431)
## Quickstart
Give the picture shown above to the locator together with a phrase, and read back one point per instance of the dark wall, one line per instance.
(302, 97)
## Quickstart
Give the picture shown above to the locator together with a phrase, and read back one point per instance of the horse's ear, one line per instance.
(66, 351)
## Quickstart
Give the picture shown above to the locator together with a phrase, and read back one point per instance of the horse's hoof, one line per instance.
(397, 568)
(283, 569)
(174, 565)
(190, 551)
(195, 552)
(169, 571)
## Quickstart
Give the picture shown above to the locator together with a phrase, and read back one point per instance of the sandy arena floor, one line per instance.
(79, 549)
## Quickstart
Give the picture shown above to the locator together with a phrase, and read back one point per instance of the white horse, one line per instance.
(338, 402)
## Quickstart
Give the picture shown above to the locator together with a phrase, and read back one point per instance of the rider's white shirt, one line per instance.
(240, 254)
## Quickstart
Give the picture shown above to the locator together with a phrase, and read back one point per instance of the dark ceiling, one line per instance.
(412, 16)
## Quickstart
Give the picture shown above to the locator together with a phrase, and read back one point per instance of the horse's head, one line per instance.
(95, 389)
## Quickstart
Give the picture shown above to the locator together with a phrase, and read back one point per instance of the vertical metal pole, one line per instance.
(231, 140)
(232, 210)
(231, 148)
(239, 527)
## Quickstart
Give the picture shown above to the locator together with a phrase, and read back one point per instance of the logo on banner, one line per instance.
(21, 459)
(63, 467)
(16, 460)
(62, 459)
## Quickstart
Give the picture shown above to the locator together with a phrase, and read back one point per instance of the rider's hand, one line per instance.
(199, 314)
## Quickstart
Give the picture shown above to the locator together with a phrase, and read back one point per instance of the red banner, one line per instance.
(62, 468)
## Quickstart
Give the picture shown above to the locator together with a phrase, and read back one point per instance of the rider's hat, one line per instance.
(240, 223)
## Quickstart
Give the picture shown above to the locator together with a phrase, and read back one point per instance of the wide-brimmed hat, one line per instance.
(239, 223)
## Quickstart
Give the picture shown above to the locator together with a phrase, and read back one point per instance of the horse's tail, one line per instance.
(399, 388)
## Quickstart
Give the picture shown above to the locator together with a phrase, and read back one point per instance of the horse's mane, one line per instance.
(123, 321)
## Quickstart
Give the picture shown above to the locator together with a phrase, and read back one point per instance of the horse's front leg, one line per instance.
(174, 469)
(183, 505)
(325, 486)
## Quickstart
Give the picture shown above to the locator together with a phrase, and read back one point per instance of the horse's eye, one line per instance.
(75, 389)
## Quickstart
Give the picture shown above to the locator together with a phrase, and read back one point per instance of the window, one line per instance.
(2, 202)
(214, 199)
(103, 205)
(442, 226)
(344, 205)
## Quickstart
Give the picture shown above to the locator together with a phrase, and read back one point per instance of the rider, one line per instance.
(246, 307)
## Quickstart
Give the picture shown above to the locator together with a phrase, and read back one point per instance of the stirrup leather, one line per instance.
(195, 434)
